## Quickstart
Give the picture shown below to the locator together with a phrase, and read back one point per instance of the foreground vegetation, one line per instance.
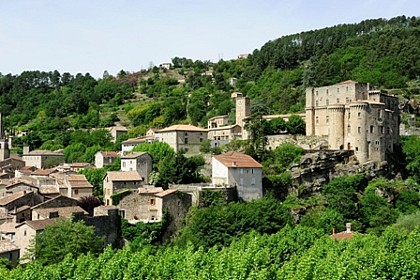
(292, 253)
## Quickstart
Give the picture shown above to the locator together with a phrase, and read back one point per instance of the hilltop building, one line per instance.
(354, 117)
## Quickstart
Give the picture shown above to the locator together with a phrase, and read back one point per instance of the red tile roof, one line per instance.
(235, 159)
(109, 154)
(182, 127)
(165, 193)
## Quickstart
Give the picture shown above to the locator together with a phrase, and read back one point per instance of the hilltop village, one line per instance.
(349, 118)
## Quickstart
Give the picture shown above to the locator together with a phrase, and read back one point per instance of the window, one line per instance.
(357, 149)
(382, 129)
(359, 130)
(316, 93)
(349, 115)
(242, 171)
(348, 129)
(76, 192)
(152, 201)
(358, 115)
(327, 91)
(123, 163)
(371, 129)
(327, 102)
(185, 140)
(122, 213)
(252, 181)
(338, 100)
(24, 232)
(317, 120)
(338, 90)
(347, 100)
(201, 140)
(327, 119)
(317, 103)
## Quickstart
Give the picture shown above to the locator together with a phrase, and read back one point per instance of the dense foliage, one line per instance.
(291, 253)
(62, 238)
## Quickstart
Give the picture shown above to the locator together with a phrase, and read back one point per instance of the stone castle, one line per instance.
(354, 117)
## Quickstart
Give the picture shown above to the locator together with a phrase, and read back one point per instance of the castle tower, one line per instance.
(335, 122)
(243, 108)
(357, 137)
(310, 111)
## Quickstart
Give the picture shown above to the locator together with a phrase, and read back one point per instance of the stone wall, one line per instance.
(306, 142)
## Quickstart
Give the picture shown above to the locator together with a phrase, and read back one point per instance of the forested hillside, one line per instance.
(284, 235)
(382, 52)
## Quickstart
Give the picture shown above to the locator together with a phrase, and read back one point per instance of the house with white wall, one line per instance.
(238, 170)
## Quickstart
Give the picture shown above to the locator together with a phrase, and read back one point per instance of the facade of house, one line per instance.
(239, 170)
(9, 251)
(43, 158)
(129, 144)
(105, 158)
(138, 161)
(224, 134)
(117, 131)
(27, 231)
(149, 204)
(186, 137)
(60, 206)
(354, 117)
(18, 205)
(117, 181)
(75, 186)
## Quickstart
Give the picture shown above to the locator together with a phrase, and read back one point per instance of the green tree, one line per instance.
(62, 238)
(296, 125)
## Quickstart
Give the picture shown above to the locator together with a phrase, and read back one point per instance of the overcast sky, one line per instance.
(80, 36)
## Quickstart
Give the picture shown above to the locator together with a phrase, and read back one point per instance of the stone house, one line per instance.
(27, 231)
(75, 186)
(149, 204)
(17, 187)
(140, 206)
(187, 137)
(138, 161)
(18, 205)
(117, 181)
(43, 158)
(10, 165)
(224, 134)
(129, 144)
(9, 251)
(60, 206)
(239, 170)
(117, 131)
(354, 117)
(105, 158)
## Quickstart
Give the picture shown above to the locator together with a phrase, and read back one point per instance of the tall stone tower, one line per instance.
(243, 108)
(4, 143)
(243, 111)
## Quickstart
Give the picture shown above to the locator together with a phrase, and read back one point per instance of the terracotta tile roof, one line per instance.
(30, 168)
(79, 181)
(7, 246)
(165, 193)
(137, 140)
(109, 154)
(65, 201)
(65, 212)
(12, 197)
(149, 190)
(44, 172)
(133, 155)
(342, 235)
(44, 153)
(11, 186)
(79, 164)
(124, 176)
(39, 224)
(235, 159)
(182, 127)
(218, 117)
(48, 190)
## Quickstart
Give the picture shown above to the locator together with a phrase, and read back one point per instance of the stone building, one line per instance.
(182, 136)
(103, 158)
(238, 170)
(42, 158)
(354, 117)
(138, 161)
(116, 181)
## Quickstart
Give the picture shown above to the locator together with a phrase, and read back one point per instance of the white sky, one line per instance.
(80, 36)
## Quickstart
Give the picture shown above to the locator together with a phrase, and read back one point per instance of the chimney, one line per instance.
(348, 227)
(234, 164)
